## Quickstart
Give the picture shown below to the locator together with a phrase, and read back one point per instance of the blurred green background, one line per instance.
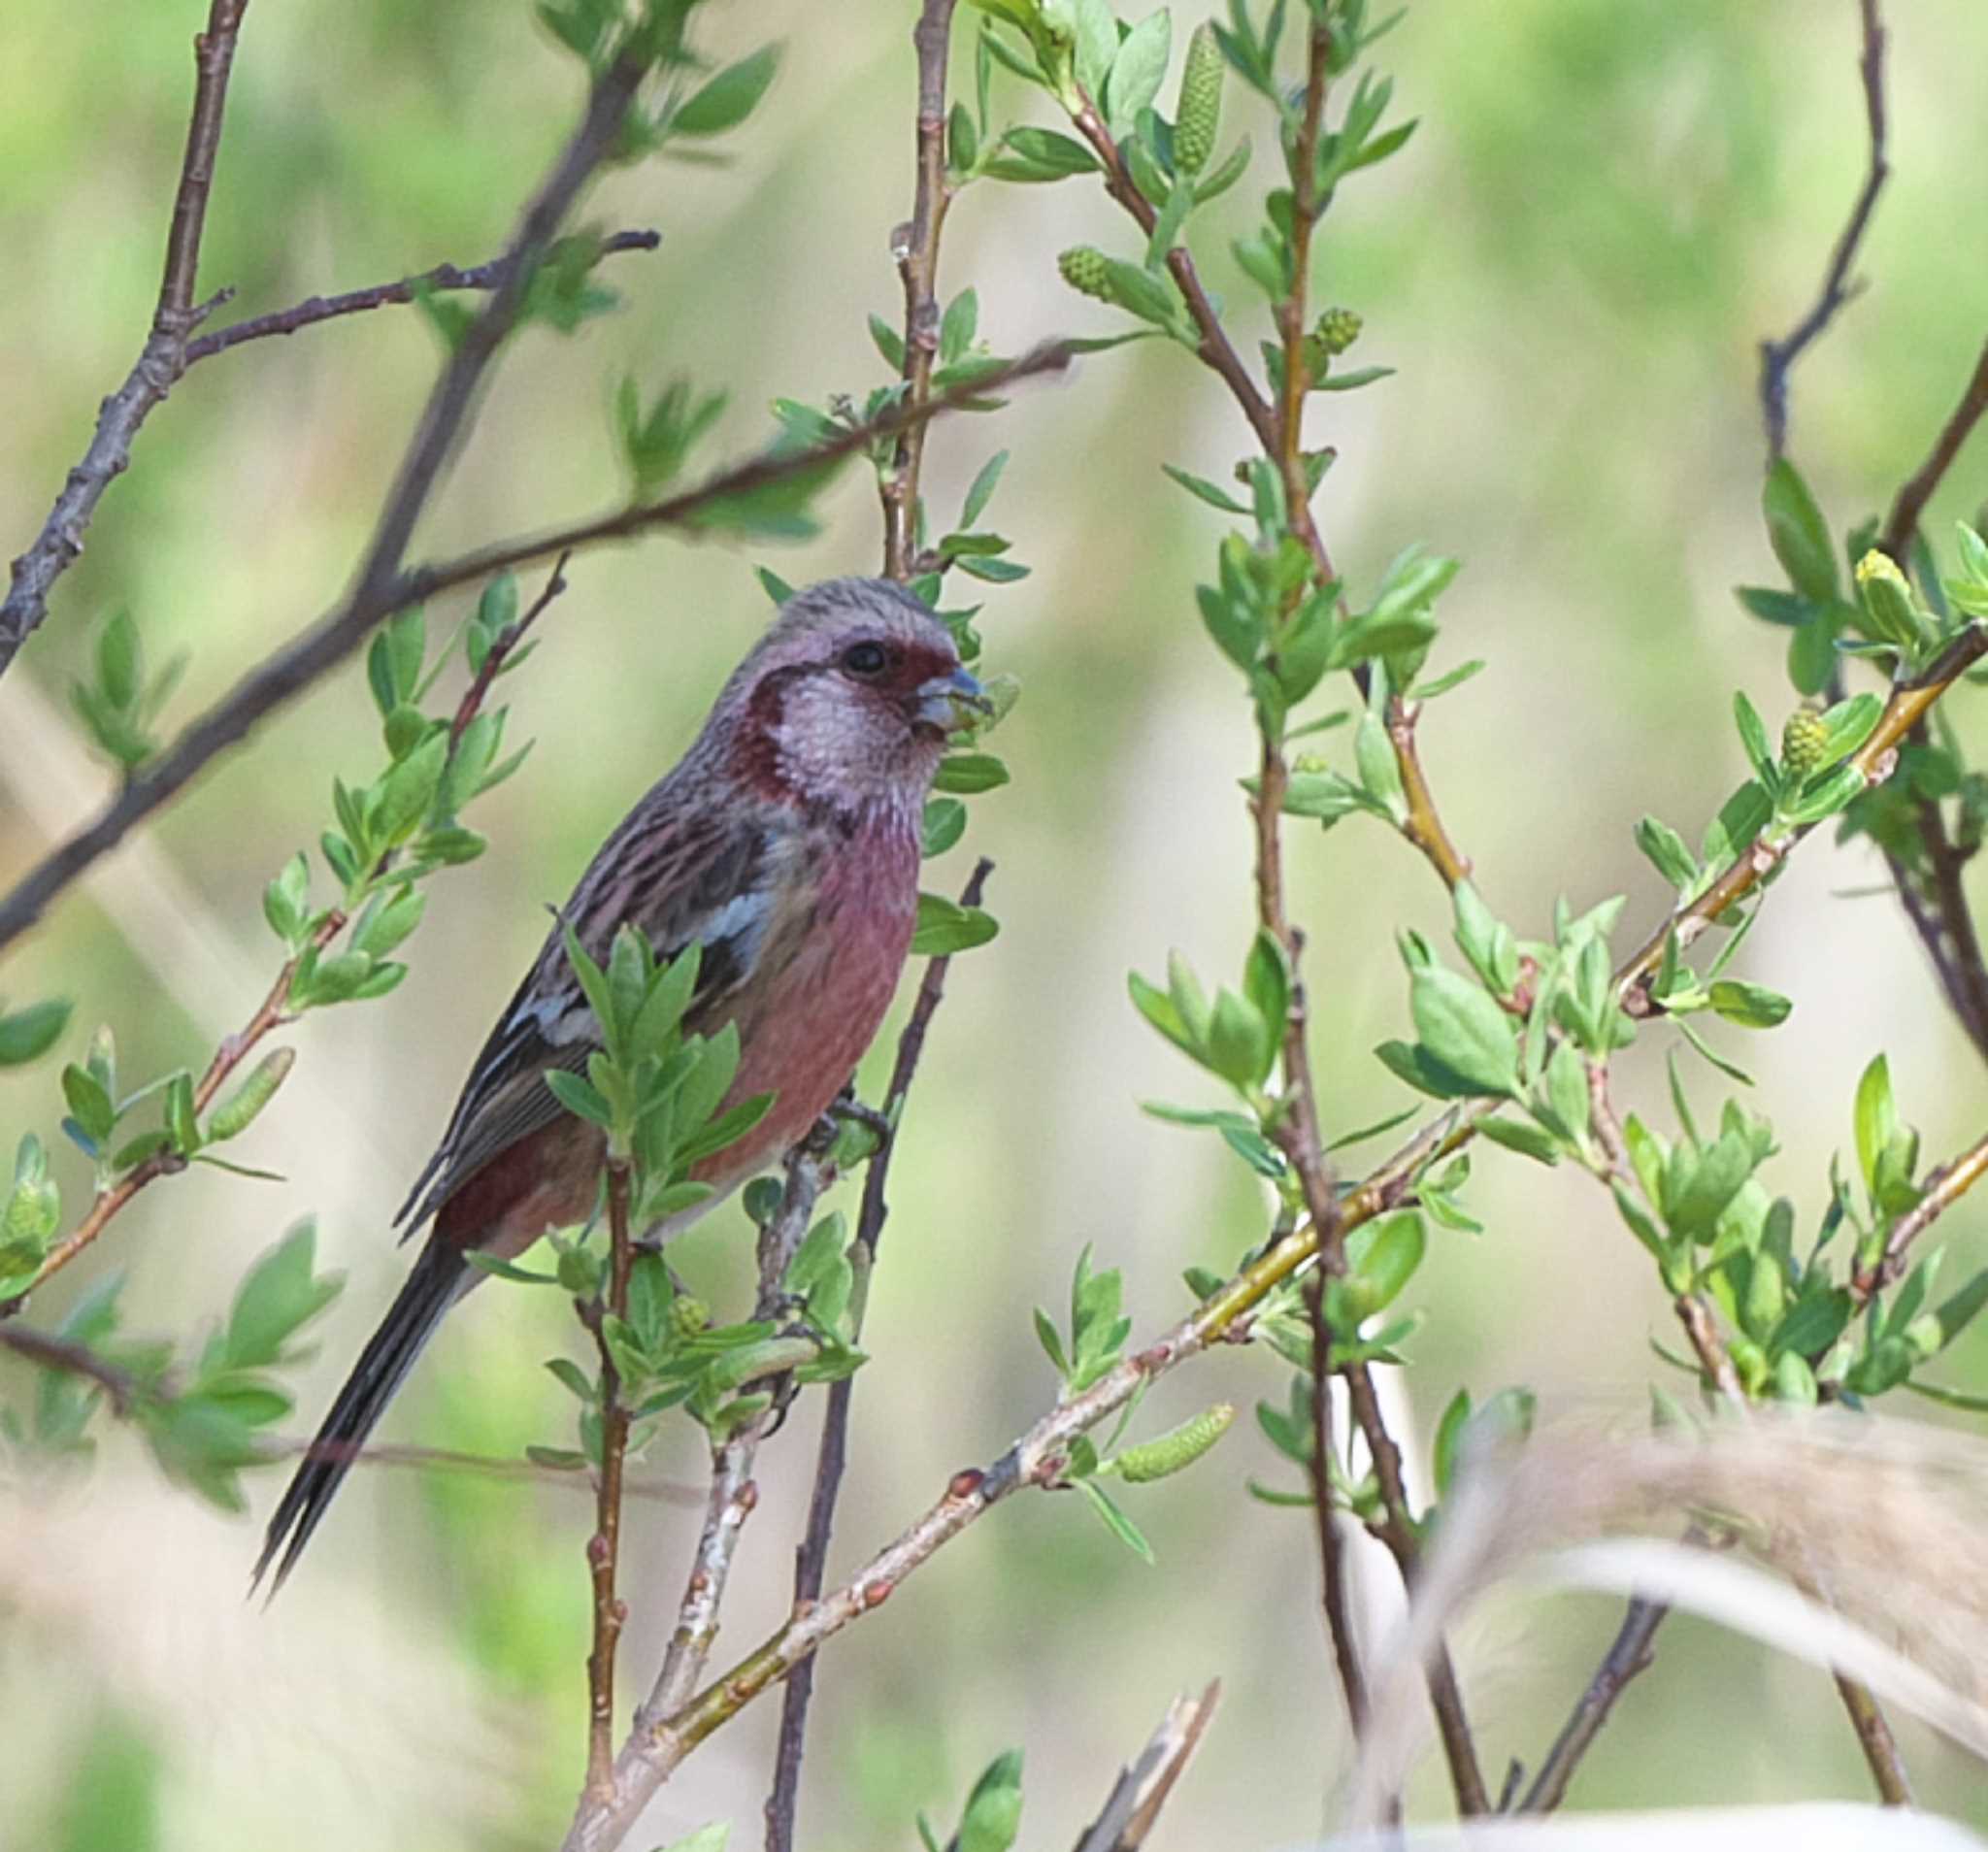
(1604, 209)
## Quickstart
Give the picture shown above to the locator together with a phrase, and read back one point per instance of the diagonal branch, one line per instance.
(1903, 522)
(1777, 357)
(1144, 1785)
(1630, 1654)
(1942, 1190)
(279, 677)
(312, 310)
(274, 1011)
(161, 362)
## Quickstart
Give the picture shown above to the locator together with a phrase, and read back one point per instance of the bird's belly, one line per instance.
(818, 1013)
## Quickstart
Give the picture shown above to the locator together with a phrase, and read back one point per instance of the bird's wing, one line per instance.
(690, 879)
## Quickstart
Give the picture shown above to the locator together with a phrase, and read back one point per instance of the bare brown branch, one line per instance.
(604, 1547)
(46, 1350)
(1943, 1188)
(1776, 357)
(1903, 522)
(312, 310)
(161, 362)
(916, 246)
(1145, 1783)
(321, 647)
(1630, 1654)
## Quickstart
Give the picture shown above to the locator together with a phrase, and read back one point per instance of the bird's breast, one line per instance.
(828, 966)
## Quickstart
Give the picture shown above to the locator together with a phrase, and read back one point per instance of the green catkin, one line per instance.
(1083, 268)
(1804, 742)
(1178, 1450)
(1201, 102)
(236, 1113)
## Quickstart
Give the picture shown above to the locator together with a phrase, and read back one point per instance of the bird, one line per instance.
(785, 844)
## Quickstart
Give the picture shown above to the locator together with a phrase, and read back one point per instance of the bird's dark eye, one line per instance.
(866, 659)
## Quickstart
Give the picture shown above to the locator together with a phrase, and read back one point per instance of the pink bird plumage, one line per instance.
(785, 842)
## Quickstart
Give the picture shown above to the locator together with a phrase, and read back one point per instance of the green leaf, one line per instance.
(1877, 1119)
(993, 1810)
(280, 1293)
(580, 1097)
(1161, 1011)
(944, 823)
(1352, 378)
(981, 490)
(1241, 1046)
(957, 326)
(1464, 1030)
(1750, 1005)
(944, 927)
(90, 1105)
(1137, 71)
(1798, 534)
(1201, 489)
(1667, 852)
(1115, 1521)
(1042, 155)
(1774, 606)
(27, 1034)
(1380, 773)
(1267, 983)
(1526, 1139)
(1760, 753)
(964, 773)
(1388, 1261)
(728, 98)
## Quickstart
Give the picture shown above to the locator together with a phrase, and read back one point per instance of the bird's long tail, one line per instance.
(437, 1280)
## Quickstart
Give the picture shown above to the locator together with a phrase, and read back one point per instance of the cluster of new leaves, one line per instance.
(390, 834)
(120, 701)
(992, 1816)
(1091, 1349)
(204, 1415)
(1899, 619)
(658, 1094)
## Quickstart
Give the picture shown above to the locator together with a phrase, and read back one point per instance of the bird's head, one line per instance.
(848, 698)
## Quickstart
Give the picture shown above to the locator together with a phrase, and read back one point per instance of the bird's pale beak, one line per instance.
(951, 704)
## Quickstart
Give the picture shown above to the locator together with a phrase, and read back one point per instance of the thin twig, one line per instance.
(483, 1464)
(1942, 1190)
(1903, 522)
(47, 1351)
(1143, 1784)
(811, 1559)
(604, 1547)
(1876, 758)
(1776, 357)
(916, 247)
(1945, 921)
(1332, 1553)
(110, 1200)
(733, 1493)
(271, 1013)
(312, 310)
(321, 647)
(1216, 349)
(161, 362)
(502, 648)
(1631, 1653)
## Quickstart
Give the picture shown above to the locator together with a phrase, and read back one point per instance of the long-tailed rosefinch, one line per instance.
(785, 842)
